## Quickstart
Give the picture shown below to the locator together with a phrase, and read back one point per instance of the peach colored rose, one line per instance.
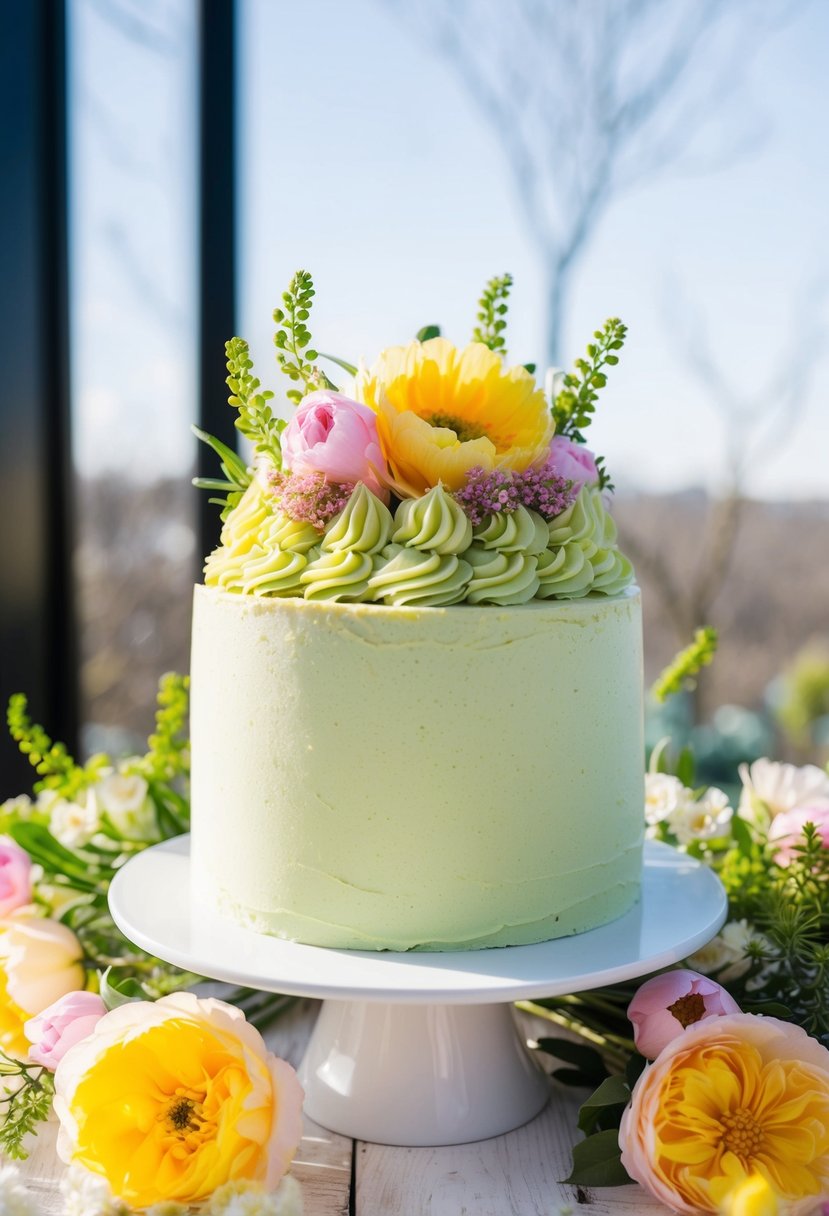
(63, 1024)
(15, 877)
(335, 436)
(732, 1097)
(665, 1005)
(40, 960)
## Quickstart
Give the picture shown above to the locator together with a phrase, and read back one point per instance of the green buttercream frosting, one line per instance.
(339, 575)
(521, 531)
(412, 576)
(500, 578)
(434, 522)
(363, 526)
(272, 571)
(261, 549)
(582, 555)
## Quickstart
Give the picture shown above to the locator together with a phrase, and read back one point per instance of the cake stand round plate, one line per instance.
(418, 1048)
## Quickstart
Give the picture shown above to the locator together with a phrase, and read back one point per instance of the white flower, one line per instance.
(88, 1194)
(15, 1199)
(74, 823)
(727, 954)
(250, 1199)
(17, 808)
(769, 788)
(124, 797)
(704, 819)
(663, 795)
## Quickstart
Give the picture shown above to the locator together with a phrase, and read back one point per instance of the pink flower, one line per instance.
(665, 1005)
(335, 436)
(71, 1018)
(787, 829)
(574, 462)
(15, 877)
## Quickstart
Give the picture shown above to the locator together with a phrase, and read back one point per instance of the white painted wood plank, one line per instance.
(513, 1175)
(322, 1165)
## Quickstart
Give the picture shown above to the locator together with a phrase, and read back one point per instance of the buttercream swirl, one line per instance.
(520, 531)
(339, 574)
(434, 522)
(240, 534)
(363, 526)
(500, 578)
(414, 576)
(583, 555)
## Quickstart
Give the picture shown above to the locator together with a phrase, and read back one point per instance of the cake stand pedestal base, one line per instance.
(420, 1074)
(418, 1049)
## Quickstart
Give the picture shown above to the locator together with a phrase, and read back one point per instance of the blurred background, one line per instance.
(170, 163)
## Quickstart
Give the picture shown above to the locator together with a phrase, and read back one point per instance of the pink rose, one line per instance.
(665, 1005)
(573, 461)
(71, 1018)
(787, 829)
(15, 877)
(335, 436)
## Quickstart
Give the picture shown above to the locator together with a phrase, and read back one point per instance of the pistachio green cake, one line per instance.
(379, 777)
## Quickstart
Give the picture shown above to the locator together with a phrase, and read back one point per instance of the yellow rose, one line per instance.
(730, 1098)
(171, 1100)
(40, 961)
(442, 411)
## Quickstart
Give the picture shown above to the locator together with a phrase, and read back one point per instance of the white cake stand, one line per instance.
(418, 1049)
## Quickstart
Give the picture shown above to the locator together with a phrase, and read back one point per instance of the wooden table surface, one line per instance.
(512, 1175)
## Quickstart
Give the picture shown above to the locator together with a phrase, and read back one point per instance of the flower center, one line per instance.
(742, 1134)
(182, 1115)
(463, 429)
(688, 1009)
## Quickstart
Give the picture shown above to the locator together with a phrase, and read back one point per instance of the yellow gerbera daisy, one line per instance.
(442, 411)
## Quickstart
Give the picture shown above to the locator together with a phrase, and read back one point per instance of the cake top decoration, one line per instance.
(436, 475)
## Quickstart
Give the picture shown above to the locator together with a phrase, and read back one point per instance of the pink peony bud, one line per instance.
(787, 829)
(15, 877)
(574, 462)
(665, 1005)
(335, 436)
(63, 1024)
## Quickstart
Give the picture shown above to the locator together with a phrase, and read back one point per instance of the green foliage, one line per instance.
(57, 769)
(168, 748)
(597, 1161)
(492, 309)
(237, 476)
(805, 694)
(427, 333)
(26, 1093)
(256, 420)
(680, 673)
(292, 338)
(575, 405)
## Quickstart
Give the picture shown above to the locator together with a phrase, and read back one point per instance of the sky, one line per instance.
(363, 159)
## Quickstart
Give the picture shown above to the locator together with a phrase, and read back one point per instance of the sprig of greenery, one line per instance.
(168, 747)
(237, 476)
(292, 338)
(492, 309)
(575, 405)
(59, 771)
(26, 1097)
(256, 419)
(681, 672)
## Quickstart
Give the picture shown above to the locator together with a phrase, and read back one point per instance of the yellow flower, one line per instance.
(754, 1197)
(171, 1100)
(40, 961)
(730, 1098)
(442, 411)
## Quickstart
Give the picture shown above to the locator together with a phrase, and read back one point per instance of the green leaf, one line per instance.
(770, 1009)
(529, 367)
(597, 1161)
(586, 1060)
(427, 332)
(634, 1068)
(492, 308)
(685, 766)
(343, 363)
(236, 467)
(42, 847)
(121, 991)
(605, 1105)
(741, 835)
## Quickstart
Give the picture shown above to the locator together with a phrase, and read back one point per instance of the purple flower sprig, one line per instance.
(489, 491)
(309, 498)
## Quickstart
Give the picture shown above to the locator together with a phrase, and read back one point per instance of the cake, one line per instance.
(417, 664)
